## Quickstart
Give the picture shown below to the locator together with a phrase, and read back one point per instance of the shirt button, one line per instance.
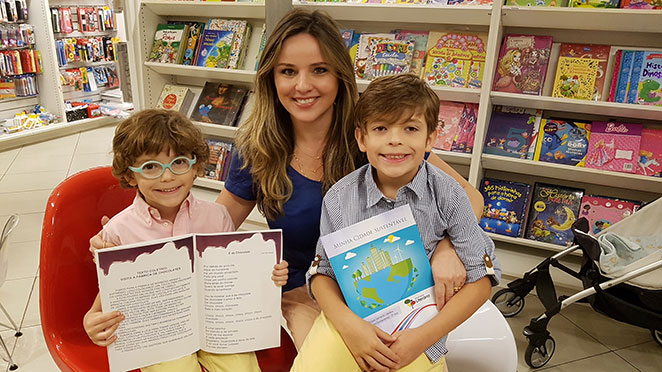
(166, 223)
(153, 212)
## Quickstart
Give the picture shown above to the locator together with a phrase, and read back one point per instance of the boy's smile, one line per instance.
(395, 150)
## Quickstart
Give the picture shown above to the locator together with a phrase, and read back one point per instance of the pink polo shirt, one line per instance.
(140, 222)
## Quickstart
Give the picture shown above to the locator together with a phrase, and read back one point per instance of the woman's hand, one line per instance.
(448, 272)
(96, 242)
(279, 275)
(369, 345)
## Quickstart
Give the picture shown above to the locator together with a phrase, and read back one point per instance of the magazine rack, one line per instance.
(68, 284)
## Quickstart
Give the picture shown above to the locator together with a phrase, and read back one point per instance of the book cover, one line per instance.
(593, 3)
(505, 206)
(263, 43)
(509, 134)
(195, 30)
(614, 146)
(591, 51)
(420, 43)
(175, 98)
(535, 129)
(522, 64)
(167, 46)
(624, 73)
(553, 211)
(455, 59)
(563, 142)
(347, 35)
(388, 57)
(363, 51)
(242, 33)
(219, 154)
(641, 4)
(602, 212)
(219, 103)
(383, 271)
(635, 75)
(575, 78)
(214, 50)
(450, 114)
(183, 294)
(649, 87)
(464, 139)
(650, 153)
(615, 75)
(536, 2)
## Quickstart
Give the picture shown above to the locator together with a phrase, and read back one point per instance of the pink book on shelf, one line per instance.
(614, 146)
(650, 153)
(450, 114)
(602, 212)
(522, 64)
(614, 77)
(464, 139)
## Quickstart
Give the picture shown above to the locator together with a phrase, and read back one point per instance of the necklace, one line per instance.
(308, 155)
(303, 170)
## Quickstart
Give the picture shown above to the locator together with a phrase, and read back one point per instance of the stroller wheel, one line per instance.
(508, 302)
(657, 336)
(537, 356)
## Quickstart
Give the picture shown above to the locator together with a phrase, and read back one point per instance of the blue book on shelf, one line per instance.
(215, 47)
(633, 85)
(624, 76)
(505, 206)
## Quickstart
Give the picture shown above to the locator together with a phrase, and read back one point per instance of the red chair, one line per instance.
(68, 284)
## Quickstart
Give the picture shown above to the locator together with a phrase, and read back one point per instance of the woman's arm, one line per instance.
(238, 208)
(474, 195)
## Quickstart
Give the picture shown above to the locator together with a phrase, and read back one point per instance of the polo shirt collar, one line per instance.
(374, 194)
(147, 212)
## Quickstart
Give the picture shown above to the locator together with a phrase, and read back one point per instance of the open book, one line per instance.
(199, 291)
(383, 271)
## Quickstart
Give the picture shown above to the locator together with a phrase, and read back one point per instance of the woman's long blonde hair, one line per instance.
(266, 140)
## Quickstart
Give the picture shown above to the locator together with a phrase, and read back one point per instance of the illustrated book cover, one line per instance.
(214, 50)
(383, 271)
(536, 2)
(174, 97)
(563, 142)
(363, 51)
(450, 114)
(455, 59)
(220, 154)
(168, 43)
(193, 292)
(614, 146)
(505, 208)
(420, 44)
(535, 129)
(553, 211)
(620, 92)
(466, 131)
(646, 86)
(590, 51)
(602, 212)
(510, 134)
(522, 64)
(641, 4)
(593, 3)
(650, 153)
(241, 30)
(388, 57)
(195, 30)
(219, 104)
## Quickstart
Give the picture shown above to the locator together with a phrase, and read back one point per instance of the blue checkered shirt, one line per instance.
(440, 207)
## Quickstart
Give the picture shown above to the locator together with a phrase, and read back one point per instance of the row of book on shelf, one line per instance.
(67, 19)
(630, 4)
(546, 212)
(620, 147)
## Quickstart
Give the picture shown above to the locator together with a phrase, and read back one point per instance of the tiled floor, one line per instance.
(585, 340)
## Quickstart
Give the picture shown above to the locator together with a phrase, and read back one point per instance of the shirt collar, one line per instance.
(374, 194)
(148, 212)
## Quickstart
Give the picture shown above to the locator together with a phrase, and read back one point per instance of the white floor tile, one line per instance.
(32, 317)
(10, 154)
(28, 229)
(32, 181)
(39, 162)
(31, 353)
(23, 259)
(14, 296)
(24, 202)
(647, 357)
(97, 141)
(599, 363)
(59, 146)
(88, 161)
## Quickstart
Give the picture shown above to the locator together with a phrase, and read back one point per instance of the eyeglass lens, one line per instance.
(155, 169)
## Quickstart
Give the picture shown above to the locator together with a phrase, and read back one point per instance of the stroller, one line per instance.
(621, 273)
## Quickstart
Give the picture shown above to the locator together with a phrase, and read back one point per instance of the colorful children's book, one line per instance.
(575, 78)
(620, 91)
(241, 30)
(168, 46)
(614, 146)
(195, 30)
(553, 211)
(646, 89)
(522, 64)
(593, 3)
(220, 154)
(388, 57)
(215, 48)
(363, 51)
(175, 98)
(536, 2)
(263, 43)
(591, 51)
(464, 139)
(450, 114)
(602, 212)
(509, 134)
(421, 41)
(615, 75)
(563, 142)
(641, 4)
(505, 206)
(535, 129)
(650, 153)
(347, 35)
(455, 59)
(219, 104)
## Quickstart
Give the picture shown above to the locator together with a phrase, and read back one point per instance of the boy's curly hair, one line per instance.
(150, 132)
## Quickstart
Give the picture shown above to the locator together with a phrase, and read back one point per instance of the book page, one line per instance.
(152, 285)
(383, 270)
(239, 303)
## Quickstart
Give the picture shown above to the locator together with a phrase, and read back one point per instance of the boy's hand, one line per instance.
(408, 346)
(279, 275)
(100, 327)
(96, 242)
(369, 345)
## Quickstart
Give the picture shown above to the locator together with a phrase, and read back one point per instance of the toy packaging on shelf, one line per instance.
(553, 211)
(506, 203)
(563, 142)
(614, 146)
(26, 120)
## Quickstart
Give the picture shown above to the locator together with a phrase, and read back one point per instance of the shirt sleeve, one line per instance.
(321, 263)
(471, 243)
(240, 181)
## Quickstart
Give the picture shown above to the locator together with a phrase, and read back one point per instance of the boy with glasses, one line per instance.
(160, 152)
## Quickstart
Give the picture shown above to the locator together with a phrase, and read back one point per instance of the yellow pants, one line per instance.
(325, 350)
(245, 362)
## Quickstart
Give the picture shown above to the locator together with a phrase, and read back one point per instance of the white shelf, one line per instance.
(216, 129)
(454, 157)
(577, 174)
(227, 75)
(205, 9)
(444, 93)
(45, 133)
(415, 13)
(208, 184)
(578, 106)
(628, 20)
(530, 243)
(18, 103)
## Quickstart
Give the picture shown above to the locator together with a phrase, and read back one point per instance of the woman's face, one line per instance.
(305, 82)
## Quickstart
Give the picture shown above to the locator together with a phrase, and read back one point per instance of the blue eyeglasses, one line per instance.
(154, 169)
